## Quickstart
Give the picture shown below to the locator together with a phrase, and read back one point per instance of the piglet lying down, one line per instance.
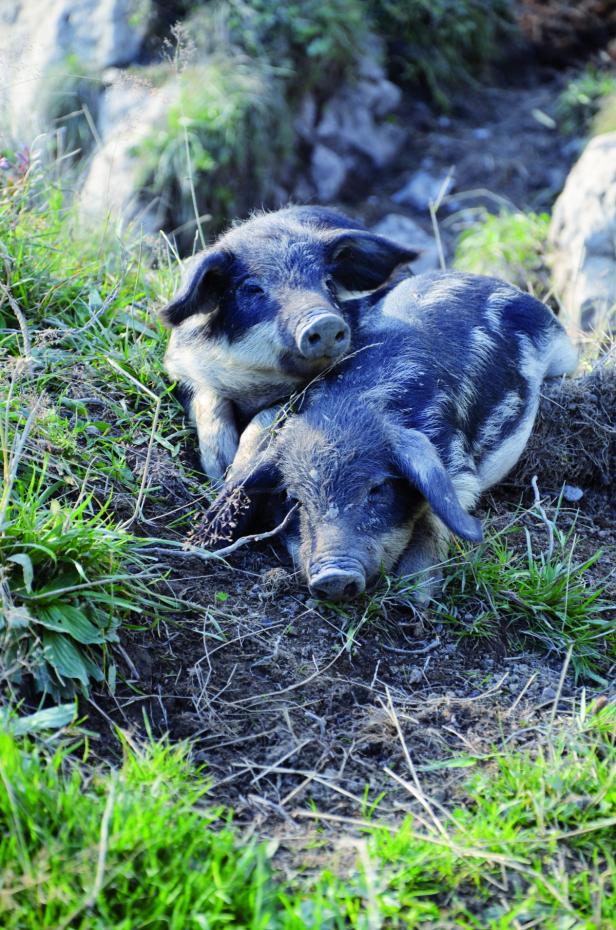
(386, 454)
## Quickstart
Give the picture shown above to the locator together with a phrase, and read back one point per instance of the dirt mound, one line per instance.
(574, 438)
(562, 28)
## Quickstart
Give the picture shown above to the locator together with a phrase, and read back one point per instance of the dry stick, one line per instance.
(275, 765)
(544, 517)
(22, 325)
(434, 206)
(561, 682)
(299, 684)
(206, 555)
(17, 454)
(531, 678)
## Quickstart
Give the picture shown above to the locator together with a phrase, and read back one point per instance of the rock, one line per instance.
(422, 189)
(328, 171)
(408, 233)
(348, 125)
(112, 183)
(548, 694)
(306, 118)
(414, 675)
(572, 493)
(40, 37)
(583, 239)
(352, 120)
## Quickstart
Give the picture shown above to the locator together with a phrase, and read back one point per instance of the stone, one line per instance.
(38, 37)
(405, 231)
(353, 119)
(572, 493)
(328, 171)
(111, 188)
(349, 125)
(583, 239)
(306, 118)
(423, 189)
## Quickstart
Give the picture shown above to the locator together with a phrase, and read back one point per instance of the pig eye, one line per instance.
(377, 491)
(251, 287)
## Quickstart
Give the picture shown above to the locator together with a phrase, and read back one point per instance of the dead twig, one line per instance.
(206, 555)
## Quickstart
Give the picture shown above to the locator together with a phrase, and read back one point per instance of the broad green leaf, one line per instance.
(26, 565)
(64, 657)
(52, 718)
(66, 618)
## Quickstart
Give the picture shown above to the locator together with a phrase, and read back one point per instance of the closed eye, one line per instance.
(378, 490)
(252, 287)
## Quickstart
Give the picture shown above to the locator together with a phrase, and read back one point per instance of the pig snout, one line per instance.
(336, 581)
(325, 335)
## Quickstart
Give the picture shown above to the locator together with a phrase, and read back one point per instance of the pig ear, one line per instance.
(363, 261)
(205, 283)
(419, 462)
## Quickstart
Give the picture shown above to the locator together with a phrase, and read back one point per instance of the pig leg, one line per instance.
(218, 437)
(253, 443)
(424, 556)
(230, 515)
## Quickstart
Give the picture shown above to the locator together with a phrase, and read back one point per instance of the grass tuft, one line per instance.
(550, 598)
(509, 245)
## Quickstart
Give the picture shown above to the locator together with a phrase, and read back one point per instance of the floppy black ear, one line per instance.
(203, 287)
(363, 261)
(419, 462)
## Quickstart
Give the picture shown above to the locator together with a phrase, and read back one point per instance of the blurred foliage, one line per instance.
(582, 100)
(224, 137)
(241, 68)
(441, 43)
(310, 44)
(509, 245)
(70, 104)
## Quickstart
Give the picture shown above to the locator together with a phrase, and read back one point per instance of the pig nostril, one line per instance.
(320, 594)
(314, 338)
(352, 589)
(340, 336)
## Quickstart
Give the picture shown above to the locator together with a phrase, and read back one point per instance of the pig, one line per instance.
(386, 454)
(264, 310)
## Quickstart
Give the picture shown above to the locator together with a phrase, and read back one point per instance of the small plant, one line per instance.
(509, 245)
(548, 598)
(69, 581)
(581, 100)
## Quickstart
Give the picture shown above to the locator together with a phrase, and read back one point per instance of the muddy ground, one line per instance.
(291, 703)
